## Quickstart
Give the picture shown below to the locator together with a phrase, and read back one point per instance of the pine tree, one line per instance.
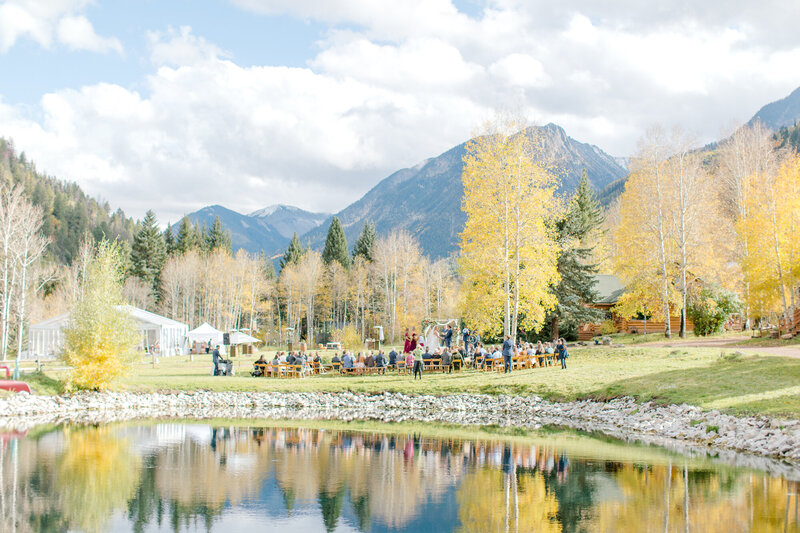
(217, 237)
(187, 237)
(576, 287)
(336, 245)
(149, 252)
(293, 253)
(365, 244)
(169, 239)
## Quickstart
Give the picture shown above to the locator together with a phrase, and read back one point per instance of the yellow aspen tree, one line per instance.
(748, 152)
(692, 207)
(645, 237)
(100, 339)
(508, 249)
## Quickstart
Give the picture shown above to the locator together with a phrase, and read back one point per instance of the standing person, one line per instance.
(465, 334)
(208, 346)
(508, 352)
(561, 347)
(413, 345)
(447, 337)
(418, 362)
(216, 359)
(407, 342)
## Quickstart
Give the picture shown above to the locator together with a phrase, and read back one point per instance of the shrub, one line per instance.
(608, 327)
(349, 337)
(710, 308)
(100, 339)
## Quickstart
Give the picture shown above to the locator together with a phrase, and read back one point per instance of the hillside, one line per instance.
(426, 199)
(781, 113)
(69, 213)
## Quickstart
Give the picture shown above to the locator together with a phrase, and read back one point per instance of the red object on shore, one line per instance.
(16, 386)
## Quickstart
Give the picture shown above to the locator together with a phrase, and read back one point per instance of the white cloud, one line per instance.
(48, 21)
(392, 84)
(77, 33)
(181, 47)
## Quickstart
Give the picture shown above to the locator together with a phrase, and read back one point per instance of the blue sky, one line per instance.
(173, 105)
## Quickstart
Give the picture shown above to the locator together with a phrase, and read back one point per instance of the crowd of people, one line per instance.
(415, 356)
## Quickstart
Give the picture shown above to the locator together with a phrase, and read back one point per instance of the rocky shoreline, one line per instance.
(758, 442)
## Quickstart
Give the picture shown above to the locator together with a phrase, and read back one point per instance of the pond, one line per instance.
(327, 476)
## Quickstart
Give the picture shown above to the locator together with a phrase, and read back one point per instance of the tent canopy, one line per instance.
(237, 337)
(204, 332)
(164, 335)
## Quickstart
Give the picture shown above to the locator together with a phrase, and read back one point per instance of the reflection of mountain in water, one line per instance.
(200, 478)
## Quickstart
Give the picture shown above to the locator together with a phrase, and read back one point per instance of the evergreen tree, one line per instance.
(149, 252)
(365, 244)
(169, 239)
(336, 245)
(576, 287)
(217, 237)
(187, 236)
(293, 253)
(267, 267)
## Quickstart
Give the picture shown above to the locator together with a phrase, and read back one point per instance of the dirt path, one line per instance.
(730, 343)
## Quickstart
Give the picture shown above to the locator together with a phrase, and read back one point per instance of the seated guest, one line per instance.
(497, 354)
(549, 349)
(361, 362)
(335, 359)
(258, 370)
(409, 361)
(348, 361)
(380, 359)
(317, 358)
(447, 360)
(393, 357)
(539, 348)
(427, 355)
(290, 358)
(458, 359)
(370, 361)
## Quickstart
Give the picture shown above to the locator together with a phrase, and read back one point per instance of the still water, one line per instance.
(198, 477)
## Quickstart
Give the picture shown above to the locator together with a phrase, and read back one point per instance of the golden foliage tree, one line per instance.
(666, 234)
(508, 250)
(101, 336)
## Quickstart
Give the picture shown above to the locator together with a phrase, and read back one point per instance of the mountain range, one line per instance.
(269, 229)
(424, 199)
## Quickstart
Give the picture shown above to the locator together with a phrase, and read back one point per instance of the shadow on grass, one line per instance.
(41, 383)
(725, 378)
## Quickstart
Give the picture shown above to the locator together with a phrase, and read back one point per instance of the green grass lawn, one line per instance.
(697, 376)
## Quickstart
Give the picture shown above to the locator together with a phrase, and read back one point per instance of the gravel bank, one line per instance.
(758, 442)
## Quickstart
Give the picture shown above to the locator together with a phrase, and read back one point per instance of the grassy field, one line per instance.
(740, 384)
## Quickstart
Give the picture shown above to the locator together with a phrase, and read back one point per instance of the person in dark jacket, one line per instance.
(216, 359)
(562, 354)
(508, 352)
(393, 357)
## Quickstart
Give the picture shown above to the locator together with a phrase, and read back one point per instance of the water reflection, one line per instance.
(189, 477)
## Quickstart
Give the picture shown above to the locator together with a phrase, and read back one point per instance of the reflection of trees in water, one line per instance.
(96, 475)
(684, 500)
(506, 499)
(76, 479)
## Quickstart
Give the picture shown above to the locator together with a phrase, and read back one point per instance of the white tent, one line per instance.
(204, 332)
(237, 337)
(166, 336)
